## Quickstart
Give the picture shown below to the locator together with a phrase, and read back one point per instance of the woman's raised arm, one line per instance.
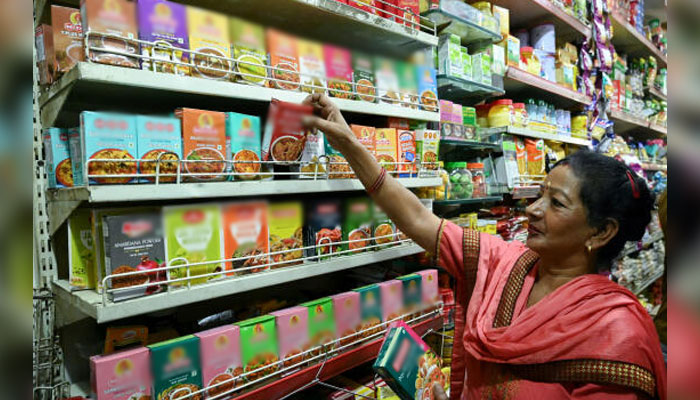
(402, 206)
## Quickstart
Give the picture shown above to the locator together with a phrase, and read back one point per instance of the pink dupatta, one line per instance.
(588, 331)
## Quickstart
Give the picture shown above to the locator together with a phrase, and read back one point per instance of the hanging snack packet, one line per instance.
(535, 157)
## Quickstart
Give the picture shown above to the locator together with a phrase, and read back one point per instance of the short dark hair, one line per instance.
(607, 192)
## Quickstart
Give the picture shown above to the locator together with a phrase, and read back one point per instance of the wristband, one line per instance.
(378, 182)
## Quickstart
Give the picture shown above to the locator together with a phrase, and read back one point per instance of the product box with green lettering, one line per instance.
(467, 70)
(258, 346)
(481, 63)
(321, 321)
(498, 59)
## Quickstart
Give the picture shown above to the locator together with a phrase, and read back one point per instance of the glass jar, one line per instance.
(478, 179)
(441, 192)
(533, 113)
(482, 115)
(542, 111)
(461, 185)
(579, 124)
(519, 115)
(500, 113)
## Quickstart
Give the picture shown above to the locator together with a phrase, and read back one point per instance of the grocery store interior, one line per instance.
(220, 212)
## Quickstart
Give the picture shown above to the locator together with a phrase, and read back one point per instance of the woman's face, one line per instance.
(558, 225)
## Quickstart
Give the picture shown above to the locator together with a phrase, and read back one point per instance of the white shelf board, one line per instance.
(89, 302)
(485, 132)
(169, 191)
(91, 82)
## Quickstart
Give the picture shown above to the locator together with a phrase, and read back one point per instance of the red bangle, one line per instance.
(378, 182)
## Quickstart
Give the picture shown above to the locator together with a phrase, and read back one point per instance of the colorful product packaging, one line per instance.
(467, 67)
(535, 157)
(175, 367)
(363, 77)
(81, 251)
(118, 338)
(404, 12)
(286, 221)
(246, 235)
(357, 225)
(57, 157)
(249, 52)
(67, 30)
(503, 16)
(366, 135)
(481, 62)
(408, 365)
(165, 23)
(243, 142)
(348, 318)
(193, 235)
(45, 54)
(427, 146)
(321, 321)
(338, 167)
(387, 153)
(384, 230)
(323, 227)
(392, 301)
(370, 308)
(158, 137)
(450, 56)
(259, 346)
(512, 45)
(75, 149)
(338, 71)
(412, 294)
(209, 38)
(427, 87)
(203, 139)
(312, 67)
(408, 84)
(521, 155)
(111, 18)
(292, 334)
(108, 136)
(134, 242)
(220, 349)
(285, 135)
(498, 59)
(122, 375)
(407, 153)
(429, 286)
(387, 80)
(284, 60)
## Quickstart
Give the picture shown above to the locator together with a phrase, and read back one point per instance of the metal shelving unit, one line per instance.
(626, 122)
(646, 283)
(523, 13)
(468, 31)
(458, 89)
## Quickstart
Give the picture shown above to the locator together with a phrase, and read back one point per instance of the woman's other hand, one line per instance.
(331, 121)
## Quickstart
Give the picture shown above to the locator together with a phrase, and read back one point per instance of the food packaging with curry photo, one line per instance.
(116, 21)
(357, 225)
(293, 334)
(348, 318)
(158, 139)
(209, 38)
(203, 143)
(164, 23)
(370, 308)
(312, 67)
(384, 229)
(408, 84)
(246, 235)
(313, 157)
(286, 220)
(220, 349)
(323, 228)
(243, 141)
(248, 41)
(387, 80)
(338, 71)
(67, 27)
(259, 346)
(59, 170)
(122, 375)
(363, 77)
(285, 135)
(175, 367)
(321, 323)
(111, 137)
(284, 60)
(427, 88)
(392, 299)
(387, 149)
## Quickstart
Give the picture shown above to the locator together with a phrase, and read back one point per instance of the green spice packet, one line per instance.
(357, 223)
(81, 254)
(408, 365)
(363, 77)
(259, 346)
(175, 367)
(321, 321)
(412, 292)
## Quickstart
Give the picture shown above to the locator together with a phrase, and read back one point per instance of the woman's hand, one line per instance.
(438, 392)
(331, 122)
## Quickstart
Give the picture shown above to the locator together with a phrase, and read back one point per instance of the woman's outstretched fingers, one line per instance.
(438, 392)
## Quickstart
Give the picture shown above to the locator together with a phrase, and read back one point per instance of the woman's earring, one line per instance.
(589, 247)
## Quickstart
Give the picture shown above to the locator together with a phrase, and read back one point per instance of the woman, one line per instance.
(534, 321)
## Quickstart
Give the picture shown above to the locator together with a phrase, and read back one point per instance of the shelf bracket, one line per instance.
(53, 107)
(59, 211)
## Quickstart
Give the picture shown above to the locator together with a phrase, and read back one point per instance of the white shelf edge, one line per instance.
(649, 281)
(534, 134)
(89, 302)
(119, 76)
(152, 192)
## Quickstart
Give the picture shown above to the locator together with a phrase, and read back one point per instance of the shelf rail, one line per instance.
(162, 55)
(258, 263)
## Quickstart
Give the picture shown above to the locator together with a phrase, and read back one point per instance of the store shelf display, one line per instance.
(570, 20)
(632, 41)
(637, 273)
(519, 80)
(525, 132)
(461, 19)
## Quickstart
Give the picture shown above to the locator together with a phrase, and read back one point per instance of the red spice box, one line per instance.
(67, 37)
(203, 138)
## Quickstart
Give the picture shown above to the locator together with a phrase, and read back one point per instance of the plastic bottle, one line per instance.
(478, 179)
(461, 184)
(500, 113)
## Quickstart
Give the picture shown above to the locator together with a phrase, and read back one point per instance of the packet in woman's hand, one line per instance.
(285, 135)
